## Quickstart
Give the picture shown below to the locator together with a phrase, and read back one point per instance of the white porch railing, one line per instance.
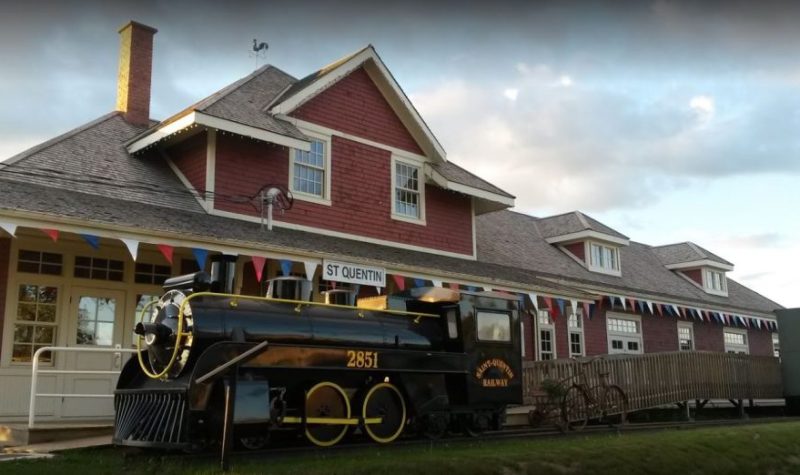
(35, 372)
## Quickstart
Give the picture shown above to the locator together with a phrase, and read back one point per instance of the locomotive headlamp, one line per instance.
(152, 332)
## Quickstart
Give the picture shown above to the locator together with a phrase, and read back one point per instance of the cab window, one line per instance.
(493, 326)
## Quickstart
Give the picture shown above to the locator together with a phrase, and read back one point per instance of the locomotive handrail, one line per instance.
(35, 372)
(228, 364)
(315, 304)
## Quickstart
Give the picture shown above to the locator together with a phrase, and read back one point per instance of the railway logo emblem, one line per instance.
(494, 373)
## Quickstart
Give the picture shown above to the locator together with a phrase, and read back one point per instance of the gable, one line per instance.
(356, 106)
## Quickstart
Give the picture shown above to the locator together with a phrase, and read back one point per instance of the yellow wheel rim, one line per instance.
(384, 439)
(337, 390)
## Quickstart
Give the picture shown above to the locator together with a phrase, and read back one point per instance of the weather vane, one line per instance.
(259, 50)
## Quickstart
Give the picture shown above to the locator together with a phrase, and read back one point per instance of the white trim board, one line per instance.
(699, 263)
(588, 234)
(199, 118)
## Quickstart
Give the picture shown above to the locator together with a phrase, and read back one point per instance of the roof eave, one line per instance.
(588, 234)
(699, 263)
(194, 118)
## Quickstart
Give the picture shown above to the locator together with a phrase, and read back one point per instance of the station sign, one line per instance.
(353, 273)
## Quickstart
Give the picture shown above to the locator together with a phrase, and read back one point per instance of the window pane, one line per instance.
(45, 335)
(22, 353)
(26, 311)
(493, 326)
(28, 293)
(23, 333)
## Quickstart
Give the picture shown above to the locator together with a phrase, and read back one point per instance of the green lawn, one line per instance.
(753, 449)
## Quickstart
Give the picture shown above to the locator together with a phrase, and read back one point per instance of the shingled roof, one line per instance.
(686, 252)
(509, 238)
(571, 223)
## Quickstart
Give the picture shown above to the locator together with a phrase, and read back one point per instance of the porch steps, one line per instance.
(19, 434)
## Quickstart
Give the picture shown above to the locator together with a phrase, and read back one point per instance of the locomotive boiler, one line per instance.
(213, 366)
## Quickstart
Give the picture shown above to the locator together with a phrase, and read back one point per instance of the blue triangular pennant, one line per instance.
(92, 240)
(561, 304)
(640, 304)
(286, 266)
(419, 282)
(591, 310)
(200, 256)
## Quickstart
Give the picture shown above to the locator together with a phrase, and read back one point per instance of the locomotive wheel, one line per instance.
(257, 442)
(434, 426)
(326, 400)
(384, 400)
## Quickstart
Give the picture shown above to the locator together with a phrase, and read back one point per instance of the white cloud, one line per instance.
(511, 93)
(565, 81)
(702, 104)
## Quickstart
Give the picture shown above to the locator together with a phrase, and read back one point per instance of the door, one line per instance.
(96, 321)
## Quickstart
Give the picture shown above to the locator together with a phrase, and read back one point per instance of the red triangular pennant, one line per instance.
(548, 302)
(258, 265)
(53, 233)
(400, 281)
(166, 251)
(453, 285)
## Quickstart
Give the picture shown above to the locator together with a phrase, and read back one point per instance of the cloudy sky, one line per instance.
(669, 121)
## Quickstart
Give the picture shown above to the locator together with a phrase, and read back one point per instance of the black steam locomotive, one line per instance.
(214, 367)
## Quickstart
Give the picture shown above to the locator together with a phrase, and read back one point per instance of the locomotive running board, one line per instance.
(331, 420)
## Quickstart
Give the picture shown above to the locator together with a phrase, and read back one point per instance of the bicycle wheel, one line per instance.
(575, 408)
(615, 406)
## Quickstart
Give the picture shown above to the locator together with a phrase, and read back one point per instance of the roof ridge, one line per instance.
(227, 90)
(57, 139)
(696, 249)
(476, 176)
(582, 219)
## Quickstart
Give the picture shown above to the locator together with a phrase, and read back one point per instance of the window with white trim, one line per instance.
(714, 282)
(603, 258)
(309, 170)
(545, 336)
(493, 326)
(736, 341)
(575, 326)
(776, 345)
(624, 334)
(408, 188)
(685, 336)
(36, 262)
(35, 322)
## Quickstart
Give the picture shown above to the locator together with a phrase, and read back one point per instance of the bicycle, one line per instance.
(581, 401)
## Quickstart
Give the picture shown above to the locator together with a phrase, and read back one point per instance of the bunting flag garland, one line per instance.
(683, 312)
(675, 310)
(133, 247)
(200, 256)
(641, 306)
(587, 310)
(286, 266)
(632, 304)
(574, 305)
(311, 269)
(258, 265)
(534, 301)
(658, 309)
(548, 302)
(453, 285)
(379, 290)
(622, 299)
(356, 289)
(92, 240)
(650, 307)
(9, 228)
(399, 281)
(53, 233)
(561, 304)
(419, 282)
(436, 283)
(166, 251)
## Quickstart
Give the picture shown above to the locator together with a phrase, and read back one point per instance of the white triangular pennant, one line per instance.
(675, 307)
(624, 305)
(133, 247)
(574, 304)
(436, 283)
(379, 289)
(533, 300)
(311, 269)
(10, 228)
(649, 306)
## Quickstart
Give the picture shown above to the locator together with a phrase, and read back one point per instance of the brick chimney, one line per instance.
(135, 67)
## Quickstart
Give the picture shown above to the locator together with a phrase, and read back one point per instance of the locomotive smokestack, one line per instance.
(223, 273)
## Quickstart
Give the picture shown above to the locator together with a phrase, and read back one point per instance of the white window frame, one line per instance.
(551, 327)
(573, 330)
(708, 282)
(625, 337)
(690, 327)
(325, 199)
(776, 345)
(735, 347)
(603, 248)
(421, 182)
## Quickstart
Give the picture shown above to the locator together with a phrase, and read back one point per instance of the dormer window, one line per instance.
(714, 282)
(603, 258)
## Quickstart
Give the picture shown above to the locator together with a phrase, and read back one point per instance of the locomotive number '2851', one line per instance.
(362, 359)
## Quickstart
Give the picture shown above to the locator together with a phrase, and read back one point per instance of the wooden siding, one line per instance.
(360, 194)
(354, 105)
(657, 379)
(190, 158)
(5, 259)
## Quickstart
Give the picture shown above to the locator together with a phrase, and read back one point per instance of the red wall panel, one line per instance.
(190, 158)
(659, 333)
(594, 332)
(354, 105)
(5, 259)
(694, 274)
(360, 194)
(760, 342)
(708, 337)
(578, 249)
